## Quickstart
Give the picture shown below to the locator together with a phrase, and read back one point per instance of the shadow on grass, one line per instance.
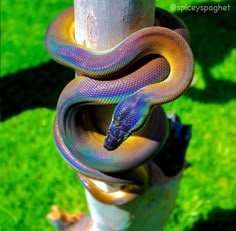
(218, 220)
(32, 88)
(212, 38)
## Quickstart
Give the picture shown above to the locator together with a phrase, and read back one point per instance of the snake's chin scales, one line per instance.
(114, 138)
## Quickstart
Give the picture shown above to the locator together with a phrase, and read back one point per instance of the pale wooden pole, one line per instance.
(100, 25)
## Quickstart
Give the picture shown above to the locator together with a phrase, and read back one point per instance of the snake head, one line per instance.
(129, 116)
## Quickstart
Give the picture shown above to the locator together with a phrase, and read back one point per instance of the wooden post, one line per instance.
(100, 25)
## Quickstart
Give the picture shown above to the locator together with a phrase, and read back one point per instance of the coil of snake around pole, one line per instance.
(120, 77)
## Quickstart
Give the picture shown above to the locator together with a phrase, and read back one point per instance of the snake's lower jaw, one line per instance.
(111, 142)
(114, 139)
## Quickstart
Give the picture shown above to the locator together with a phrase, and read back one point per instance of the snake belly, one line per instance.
(159, 81)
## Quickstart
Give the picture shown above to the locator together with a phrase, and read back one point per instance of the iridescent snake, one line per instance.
(159, 81)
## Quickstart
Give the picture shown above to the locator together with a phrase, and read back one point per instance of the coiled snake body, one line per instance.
(159, 81)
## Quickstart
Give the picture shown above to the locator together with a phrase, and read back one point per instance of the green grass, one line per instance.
(32, 174)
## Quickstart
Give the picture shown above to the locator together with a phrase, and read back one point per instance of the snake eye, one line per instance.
(116, 123)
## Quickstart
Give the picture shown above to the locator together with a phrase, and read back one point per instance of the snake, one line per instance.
(126, 76)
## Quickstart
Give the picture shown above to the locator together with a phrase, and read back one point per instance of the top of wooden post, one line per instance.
(102, 24)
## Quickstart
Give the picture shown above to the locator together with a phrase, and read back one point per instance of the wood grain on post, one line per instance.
(102, 24)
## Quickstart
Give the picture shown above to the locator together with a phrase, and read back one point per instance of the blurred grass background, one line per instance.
(32, 174)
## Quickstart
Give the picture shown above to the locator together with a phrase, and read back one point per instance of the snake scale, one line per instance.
(161, 80)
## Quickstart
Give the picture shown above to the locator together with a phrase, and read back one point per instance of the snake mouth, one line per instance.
(114, 138)
(111, 142)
